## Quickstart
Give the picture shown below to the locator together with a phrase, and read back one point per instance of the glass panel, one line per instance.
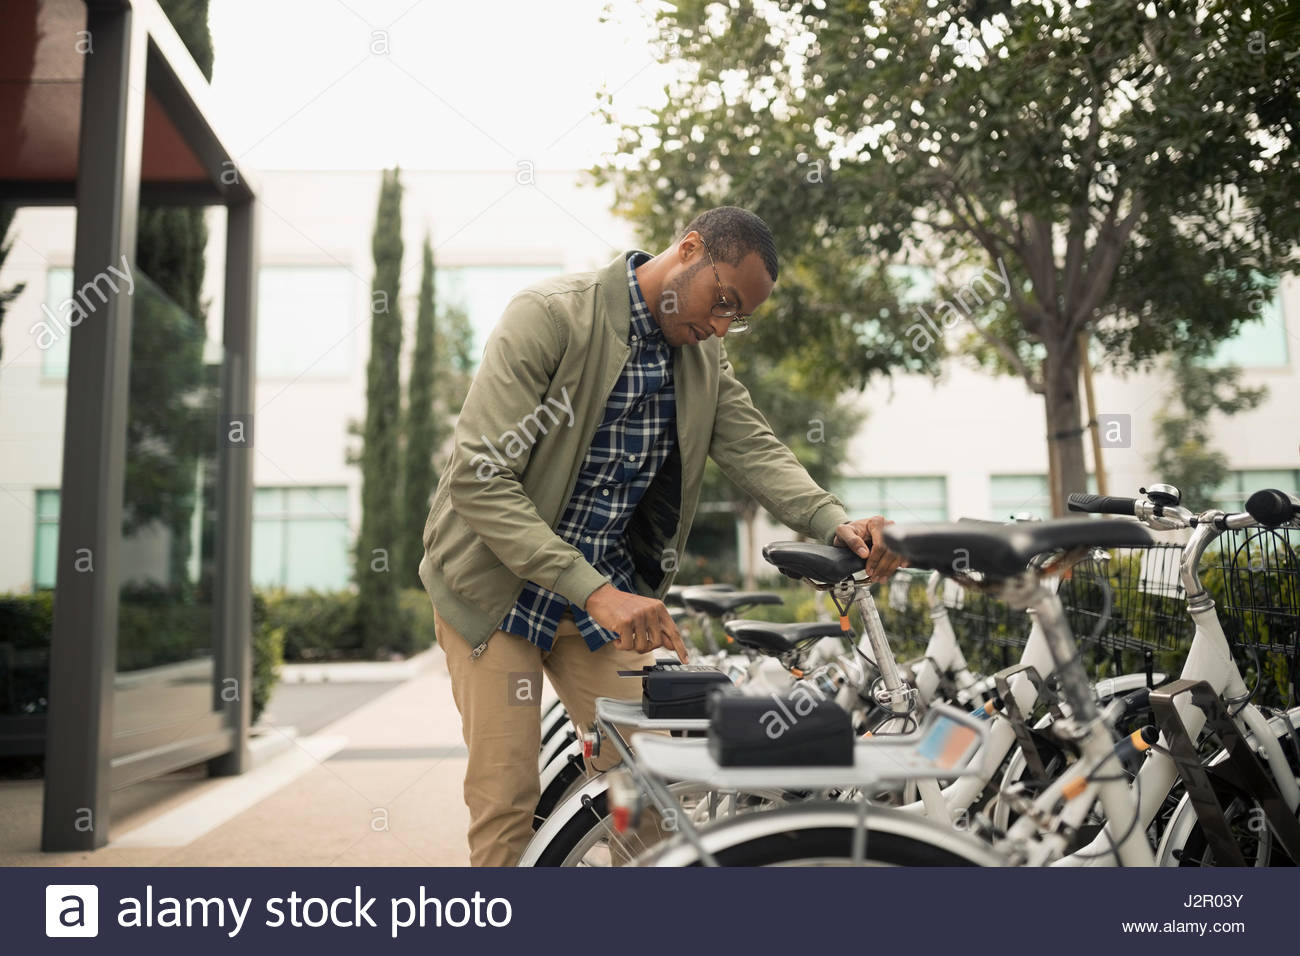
(306, 319)
(301, 538)
(268, 553)
(166, 568)
(1019, 494)
(484, 291)
(317, 552)
(318, 502)
(58, 299)
(902, 499)
(1260, 342)
(45, 563)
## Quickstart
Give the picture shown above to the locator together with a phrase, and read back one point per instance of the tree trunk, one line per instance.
(1061, 401)
(749, 516)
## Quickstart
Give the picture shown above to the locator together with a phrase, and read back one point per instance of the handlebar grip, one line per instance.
(1272, 508)
(1101, 504)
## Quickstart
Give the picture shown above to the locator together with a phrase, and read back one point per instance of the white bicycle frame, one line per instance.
(1209, 659)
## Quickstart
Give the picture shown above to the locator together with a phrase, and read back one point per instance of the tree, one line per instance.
(418, 478)
(381, 516)
(6, 243)
(816, 431)
(172, 396)
(1126, 166)
(1187, 457)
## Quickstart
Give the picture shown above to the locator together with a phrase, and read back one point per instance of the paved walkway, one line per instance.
(378, 787)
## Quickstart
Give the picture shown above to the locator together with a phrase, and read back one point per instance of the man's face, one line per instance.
(692, 290)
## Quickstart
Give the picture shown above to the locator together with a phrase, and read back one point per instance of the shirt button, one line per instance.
(605, 492)
(587, 539)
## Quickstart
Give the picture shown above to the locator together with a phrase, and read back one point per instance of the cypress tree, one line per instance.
(380, 503)
(417, 472)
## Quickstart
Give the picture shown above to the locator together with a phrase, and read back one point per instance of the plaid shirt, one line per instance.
(632, 442)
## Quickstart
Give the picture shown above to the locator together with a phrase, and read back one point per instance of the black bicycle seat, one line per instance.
(674, 596)
(768, 638)
(721, 603)
(823, 563)
(1002, 551)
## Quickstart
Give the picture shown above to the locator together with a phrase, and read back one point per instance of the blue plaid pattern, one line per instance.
(633, 440)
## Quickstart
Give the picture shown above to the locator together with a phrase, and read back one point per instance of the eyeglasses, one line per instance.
(723, 309)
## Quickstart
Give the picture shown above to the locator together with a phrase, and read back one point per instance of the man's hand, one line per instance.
(642, 623)
(866, 539)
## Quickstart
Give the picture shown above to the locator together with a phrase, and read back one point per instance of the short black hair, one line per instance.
(732, 233)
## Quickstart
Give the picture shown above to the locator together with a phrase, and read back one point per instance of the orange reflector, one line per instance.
(1139, 744)
(989, 708)
(844, 624)
(796, 672)
(1074, 788)
(620, 817)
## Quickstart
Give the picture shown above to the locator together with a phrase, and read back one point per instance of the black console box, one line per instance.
(678, 690)
(779, 732)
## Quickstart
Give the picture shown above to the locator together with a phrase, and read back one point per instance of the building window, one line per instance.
(482, 292)
(1011, 496)
(1260, 342)
(45, 562)
(1232, 494)
(301, 538)
(58, 290)
(306, 322)
(900, 499)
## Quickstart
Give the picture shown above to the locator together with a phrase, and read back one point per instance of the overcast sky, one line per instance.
(449, 84)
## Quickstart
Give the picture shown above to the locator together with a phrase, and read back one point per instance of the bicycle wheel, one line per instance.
(562, 775)
(1185, 843)
(554, 719)
(581, 832)
(823, 834)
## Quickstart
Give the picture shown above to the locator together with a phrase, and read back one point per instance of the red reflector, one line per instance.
(621, 819)
(586, 749)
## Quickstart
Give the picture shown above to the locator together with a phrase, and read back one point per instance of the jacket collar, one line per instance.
(613, 290)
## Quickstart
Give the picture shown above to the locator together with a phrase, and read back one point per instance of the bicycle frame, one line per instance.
(1209, 659)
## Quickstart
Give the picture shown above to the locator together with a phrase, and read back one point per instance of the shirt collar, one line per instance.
(643, 321)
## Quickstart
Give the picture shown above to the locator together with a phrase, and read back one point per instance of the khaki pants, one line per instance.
(498, 695)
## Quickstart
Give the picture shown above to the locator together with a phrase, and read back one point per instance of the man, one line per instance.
(575, 475)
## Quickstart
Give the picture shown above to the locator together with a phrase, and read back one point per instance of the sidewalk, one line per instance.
(378, 787)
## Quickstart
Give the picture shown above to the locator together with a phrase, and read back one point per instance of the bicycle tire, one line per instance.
(823, 835)
(560, 776)
(1184, 842)
(583, 813)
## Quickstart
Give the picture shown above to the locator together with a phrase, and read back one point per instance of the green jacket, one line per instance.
(525, 428)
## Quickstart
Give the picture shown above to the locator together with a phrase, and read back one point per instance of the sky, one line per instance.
(427, 84)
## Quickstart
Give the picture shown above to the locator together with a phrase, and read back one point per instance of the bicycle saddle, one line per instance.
(720, 603)
(1003, 551)
(824, 563)
(674, 596)
(768, 638)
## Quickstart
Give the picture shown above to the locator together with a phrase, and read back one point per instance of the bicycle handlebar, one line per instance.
(1102, 504)
(1273, 508)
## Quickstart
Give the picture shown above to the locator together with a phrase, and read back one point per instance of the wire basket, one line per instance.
(1128, 599)
(978, 618)
(1254, 577)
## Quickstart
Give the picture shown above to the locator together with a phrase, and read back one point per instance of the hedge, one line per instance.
(156, 628)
